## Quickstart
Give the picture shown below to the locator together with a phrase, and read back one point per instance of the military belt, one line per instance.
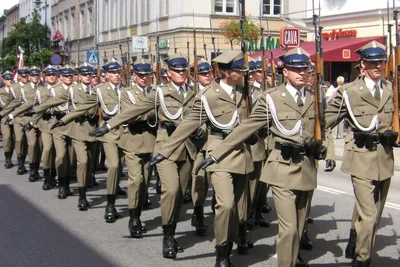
(293, 150)
(371, 140)
(169, 126)
(220, 133)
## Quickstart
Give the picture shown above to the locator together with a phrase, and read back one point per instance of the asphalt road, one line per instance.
(37, 229)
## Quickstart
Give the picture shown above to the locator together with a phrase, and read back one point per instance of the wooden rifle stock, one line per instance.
(158, 73)
(246, 90)
(395, 119)
(273, 73)
(264, 69)
(318, 72)
(389, 68)
(215, 70)
(195, 76)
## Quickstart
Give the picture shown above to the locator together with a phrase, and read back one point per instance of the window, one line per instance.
(272, 7)
(225, 6)
(164, 8)
(89, 21)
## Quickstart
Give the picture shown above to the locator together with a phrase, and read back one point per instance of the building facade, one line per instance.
(12, 15)
(26, 8)
(110, 26)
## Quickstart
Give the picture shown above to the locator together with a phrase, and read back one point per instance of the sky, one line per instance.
(6, 4)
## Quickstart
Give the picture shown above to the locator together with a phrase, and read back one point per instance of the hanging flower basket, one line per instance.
(231, 30)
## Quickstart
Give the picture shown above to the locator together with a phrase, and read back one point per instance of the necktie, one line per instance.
(299, 100)
(377, 93)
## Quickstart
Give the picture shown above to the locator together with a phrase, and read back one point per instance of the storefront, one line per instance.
(339, 56)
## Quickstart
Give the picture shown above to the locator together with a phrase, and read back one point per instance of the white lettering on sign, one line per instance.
(289, 37)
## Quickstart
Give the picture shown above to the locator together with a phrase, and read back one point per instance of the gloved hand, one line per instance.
(322, 153)
(253, 139)
(204, 164)
(156, 159)
(330, 165)
(28, 127)
(200, 134)
(99, 131)
(58, 123)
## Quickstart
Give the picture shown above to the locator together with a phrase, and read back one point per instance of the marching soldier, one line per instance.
(172, 101)
(221, 105)
(7, 95)
(109, 100)
(81, 123)
(42, 120)
(20, 139)
(368, 102)
(28, 99)
(57, 106)
(290, 169)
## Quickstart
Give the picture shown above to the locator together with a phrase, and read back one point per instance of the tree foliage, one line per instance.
(33, 40)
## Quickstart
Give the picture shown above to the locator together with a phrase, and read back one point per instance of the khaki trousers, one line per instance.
(20, 138)
(8, 135)
(291, 207)
(354, 217)
(370, 201)
(174, 177)
(33, 137)
(138, 177)
(231, 208)
(48, 151)
(199, 182)
(84, 152)
(113, 164)
(63, 164)
(254, 184)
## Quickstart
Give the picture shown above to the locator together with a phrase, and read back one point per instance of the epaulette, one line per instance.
(348, 85)
(270, 90)
(205, 89)
(387, 82)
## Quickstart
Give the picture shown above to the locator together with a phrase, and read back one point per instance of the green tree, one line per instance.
(31, 37)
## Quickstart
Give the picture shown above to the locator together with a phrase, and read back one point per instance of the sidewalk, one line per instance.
(339, 146)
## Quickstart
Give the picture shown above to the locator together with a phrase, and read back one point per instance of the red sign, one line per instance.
(337, 34)
(289, 37)
(346, 53)
(58, 36)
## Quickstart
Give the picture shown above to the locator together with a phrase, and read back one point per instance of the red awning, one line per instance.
(342, 50)
(58, 36)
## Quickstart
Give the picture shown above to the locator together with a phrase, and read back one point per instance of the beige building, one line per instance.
(12, 15)
(110, 26)
(74, 19)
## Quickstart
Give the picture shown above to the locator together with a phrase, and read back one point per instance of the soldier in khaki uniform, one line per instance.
(81, 123)
(43, 94)
(20, 138)
(221, 105)
(7, 95)
(109, 100)
(290, 169)
(28, 99)
(172, 101)
(257, 190)
(57, 107)
(137, 142)
(200, 180)
(368, 155)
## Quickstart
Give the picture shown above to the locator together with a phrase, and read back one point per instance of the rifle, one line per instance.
(124, 69)
(389, 63)
(263, 59)
(204, 45)
(214, 65)
(246, 89)
(195, 61)
(319, 103)
(273, 70)
(158, 66)
(396, 82)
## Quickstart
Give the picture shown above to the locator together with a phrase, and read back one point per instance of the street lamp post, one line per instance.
(37, 3)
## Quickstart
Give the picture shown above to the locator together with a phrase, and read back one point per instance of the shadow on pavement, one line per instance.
(30, 238)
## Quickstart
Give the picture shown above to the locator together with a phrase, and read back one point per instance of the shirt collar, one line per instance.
(228, 89)
(370, 83)
(256, 84)
(293, 91)
(177, 87)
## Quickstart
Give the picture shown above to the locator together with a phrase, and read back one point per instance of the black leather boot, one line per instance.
(169, 248)
(62, 189)
(242, 246)
(230, 246)
(305, 242)
(266, 208)
(120, 191)
(83, 204)
(21, 166)
(357, 263)
(32, 172)
(178, 247)
(46, 183)
(222, 259)
(53, 175)
(135, 225)
(198, 221)
(8, 164)
(37, 166)
(187, 197)
(92, 181)
(67, 182)
(300, 262)
(51, 178)
(350, 252)
(147, 202)
(111, 214)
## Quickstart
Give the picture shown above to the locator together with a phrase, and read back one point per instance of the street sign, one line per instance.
(93, 58)
(139, 43)
(289, 37)
(346, 53)
(56, 59)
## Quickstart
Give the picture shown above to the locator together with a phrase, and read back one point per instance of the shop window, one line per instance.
(272, 7)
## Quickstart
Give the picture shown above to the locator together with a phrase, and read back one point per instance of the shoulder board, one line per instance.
(387, 82)
(205, 89)
(270, 90)
(349, 85)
